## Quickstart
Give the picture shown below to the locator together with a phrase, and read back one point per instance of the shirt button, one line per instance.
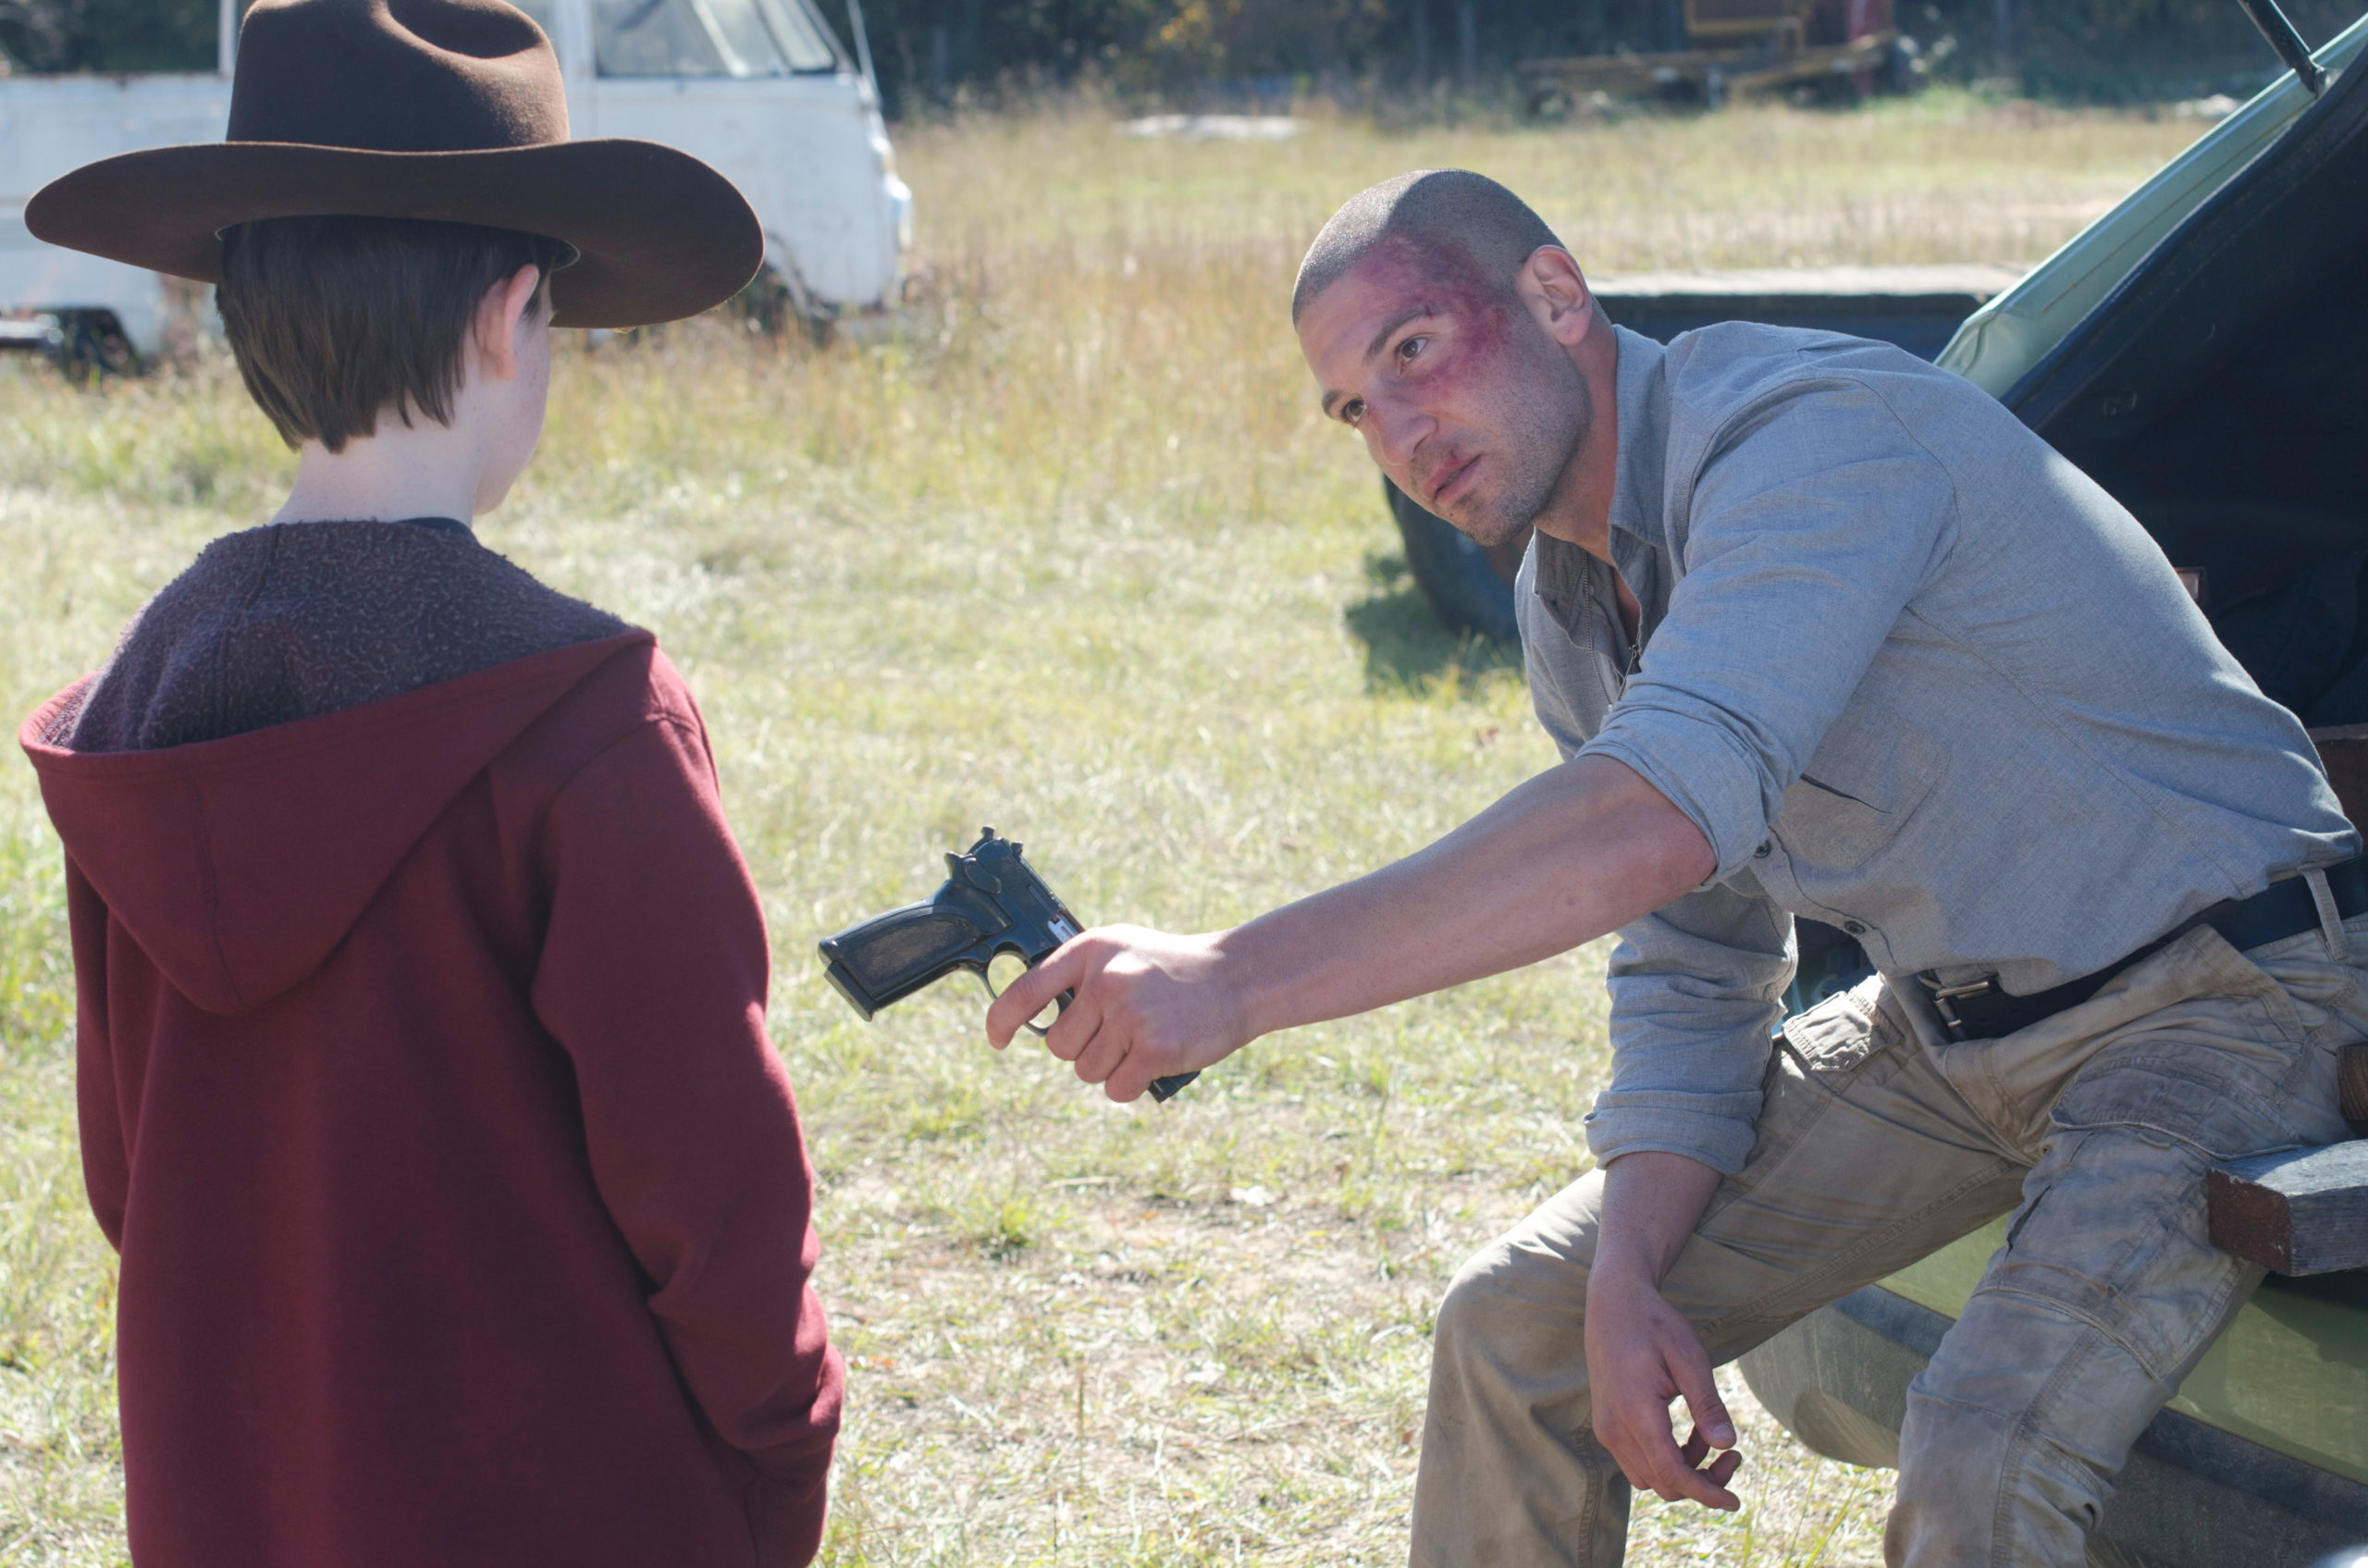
(1761, 852)
(1853, 928)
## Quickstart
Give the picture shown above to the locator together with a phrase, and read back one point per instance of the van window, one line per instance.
(709, 38)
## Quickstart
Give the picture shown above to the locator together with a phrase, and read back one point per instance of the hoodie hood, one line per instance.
(238, 865)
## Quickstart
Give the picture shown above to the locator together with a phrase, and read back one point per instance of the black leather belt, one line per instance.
(1979, 1010)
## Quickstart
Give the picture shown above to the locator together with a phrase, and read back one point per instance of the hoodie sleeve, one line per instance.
(652, 978)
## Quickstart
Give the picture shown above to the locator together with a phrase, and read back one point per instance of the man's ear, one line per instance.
(1550, 284)
(501, 315)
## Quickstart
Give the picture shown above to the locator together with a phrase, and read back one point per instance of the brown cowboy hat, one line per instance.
(449, 110)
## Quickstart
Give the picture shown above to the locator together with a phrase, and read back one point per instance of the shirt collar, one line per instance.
(1639, 519)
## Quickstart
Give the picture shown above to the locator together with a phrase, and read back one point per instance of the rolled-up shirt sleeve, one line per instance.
(1814, 519)
(1695, 986)
(1694, 990)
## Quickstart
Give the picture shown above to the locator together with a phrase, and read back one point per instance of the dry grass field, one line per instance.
(1070, 553)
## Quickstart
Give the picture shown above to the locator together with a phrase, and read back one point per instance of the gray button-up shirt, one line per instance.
(1911, 673)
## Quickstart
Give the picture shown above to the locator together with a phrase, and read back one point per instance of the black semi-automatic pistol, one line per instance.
(992, 904)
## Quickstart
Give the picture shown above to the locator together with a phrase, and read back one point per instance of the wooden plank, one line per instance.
(2302, 1212)
(2352, 1086)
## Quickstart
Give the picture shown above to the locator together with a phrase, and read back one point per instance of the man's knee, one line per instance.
(1510, 1302)
(2014, 1434)
(1479, 1304)
(1982, 1487)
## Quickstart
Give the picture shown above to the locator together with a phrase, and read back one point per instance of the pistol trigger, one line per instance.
(1060, 1005)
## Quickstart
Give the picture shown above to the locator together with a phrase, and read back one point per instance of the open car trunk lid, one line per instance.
(2220, 391)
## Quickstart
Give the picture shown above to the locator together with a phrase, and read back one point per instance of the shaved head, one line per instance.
(1449, 327)
(1450, 214)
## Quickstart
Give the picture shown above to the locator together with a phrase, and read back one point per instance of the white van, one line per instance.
(760, 89)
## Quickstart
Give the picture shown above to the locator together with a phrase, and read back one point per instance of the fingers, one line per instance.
(1142, 1002)
(1668, 1473)
(1672, 1473)
(1689, 1367)
(1642, 1354)
(1131, 1079)
(1100, 1057)
(1635, 1426)
(1723, 1469)
(1035, 991)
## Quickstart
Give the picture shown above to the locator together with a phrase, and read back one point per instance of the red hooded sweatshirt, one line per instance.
(425, 1090)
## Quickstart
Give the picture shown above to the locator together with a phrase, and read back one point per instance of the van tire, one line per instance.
(775, 303)
(92, 343)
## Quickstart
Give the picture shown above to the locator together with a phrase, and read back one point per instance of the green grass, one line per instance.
(1069, 554)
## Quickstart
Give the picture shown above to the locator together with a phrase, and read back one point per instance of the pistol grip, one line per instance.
(888, 957)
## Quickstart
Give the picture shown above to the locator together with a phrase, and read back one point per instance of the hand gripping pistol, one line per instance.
(992, 904)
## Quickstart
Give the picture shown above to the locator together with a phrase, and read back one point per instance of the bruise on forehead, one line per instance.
(1420, 264)
(1440, 275)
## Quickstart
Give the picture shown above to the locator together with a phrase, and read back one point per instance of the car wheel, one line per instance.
(776, 304)
(1469, 589)
(92, 344)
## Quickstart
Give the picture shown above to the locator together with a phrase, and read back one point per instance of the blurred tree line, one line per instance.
(1254, 53)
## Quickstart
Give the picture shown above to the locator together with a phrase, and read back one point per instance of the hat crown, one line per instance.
(396, 76)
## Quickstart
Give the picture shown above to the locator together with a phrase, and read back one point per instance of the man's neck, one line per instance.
(422, 469)
(1580, 512)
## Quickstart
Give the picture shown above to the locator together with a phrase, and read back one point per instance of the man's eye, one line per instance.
(1410, 347)
(1352, 411)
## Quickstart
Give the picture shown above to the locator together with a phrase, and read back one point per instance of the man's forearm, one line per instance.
(1652, 1201)
(1565, 858)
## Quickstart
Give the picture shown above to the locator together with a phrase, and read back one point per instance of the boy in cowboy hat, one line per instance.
(463, 1213)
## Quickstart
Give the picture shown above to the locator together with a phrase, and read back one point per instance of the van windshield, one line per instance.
(709, 38)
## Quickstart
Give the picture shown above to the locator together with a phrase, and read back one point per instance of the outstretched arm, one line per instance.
(1573, 853)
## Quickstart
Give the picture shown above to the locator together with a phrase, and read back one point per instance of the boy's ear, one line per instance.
(501, 315)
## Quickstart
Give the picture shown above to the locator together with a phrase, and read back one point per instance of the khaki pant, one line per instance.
(1879, 1142)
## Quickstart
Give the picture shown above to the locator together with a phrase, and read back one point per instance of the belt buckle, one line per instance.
(1945, 999)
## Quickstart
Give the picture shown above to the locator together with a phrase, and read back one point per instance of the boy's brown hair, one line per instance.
(335, 319)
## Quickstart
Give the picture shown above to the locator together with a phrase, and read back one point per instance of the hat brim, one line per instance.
(660, 235)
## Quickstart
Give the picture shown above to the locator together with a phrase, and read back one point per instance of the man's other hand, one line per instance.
(1641, 1352)
(1147, 1005)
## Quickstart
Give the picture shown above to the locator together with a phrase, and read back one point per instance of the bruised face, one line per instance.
(1462, 396)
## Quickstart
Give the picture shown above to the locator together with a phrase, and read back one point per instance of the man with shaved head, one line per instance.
(1821, 631)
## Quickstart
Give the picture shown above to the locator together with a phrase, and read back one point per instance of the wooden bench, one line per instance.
(2304, 1211)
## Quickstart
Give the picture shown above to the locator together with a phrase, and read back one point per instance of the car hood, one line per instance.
(2077, 291)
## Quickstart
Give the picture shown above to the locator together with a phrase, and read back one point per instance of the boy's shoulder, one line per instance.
(291, 622)
(625, 686)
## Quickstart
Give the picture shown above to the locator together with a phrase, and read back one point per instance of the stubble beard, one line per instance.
(1540, 424)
